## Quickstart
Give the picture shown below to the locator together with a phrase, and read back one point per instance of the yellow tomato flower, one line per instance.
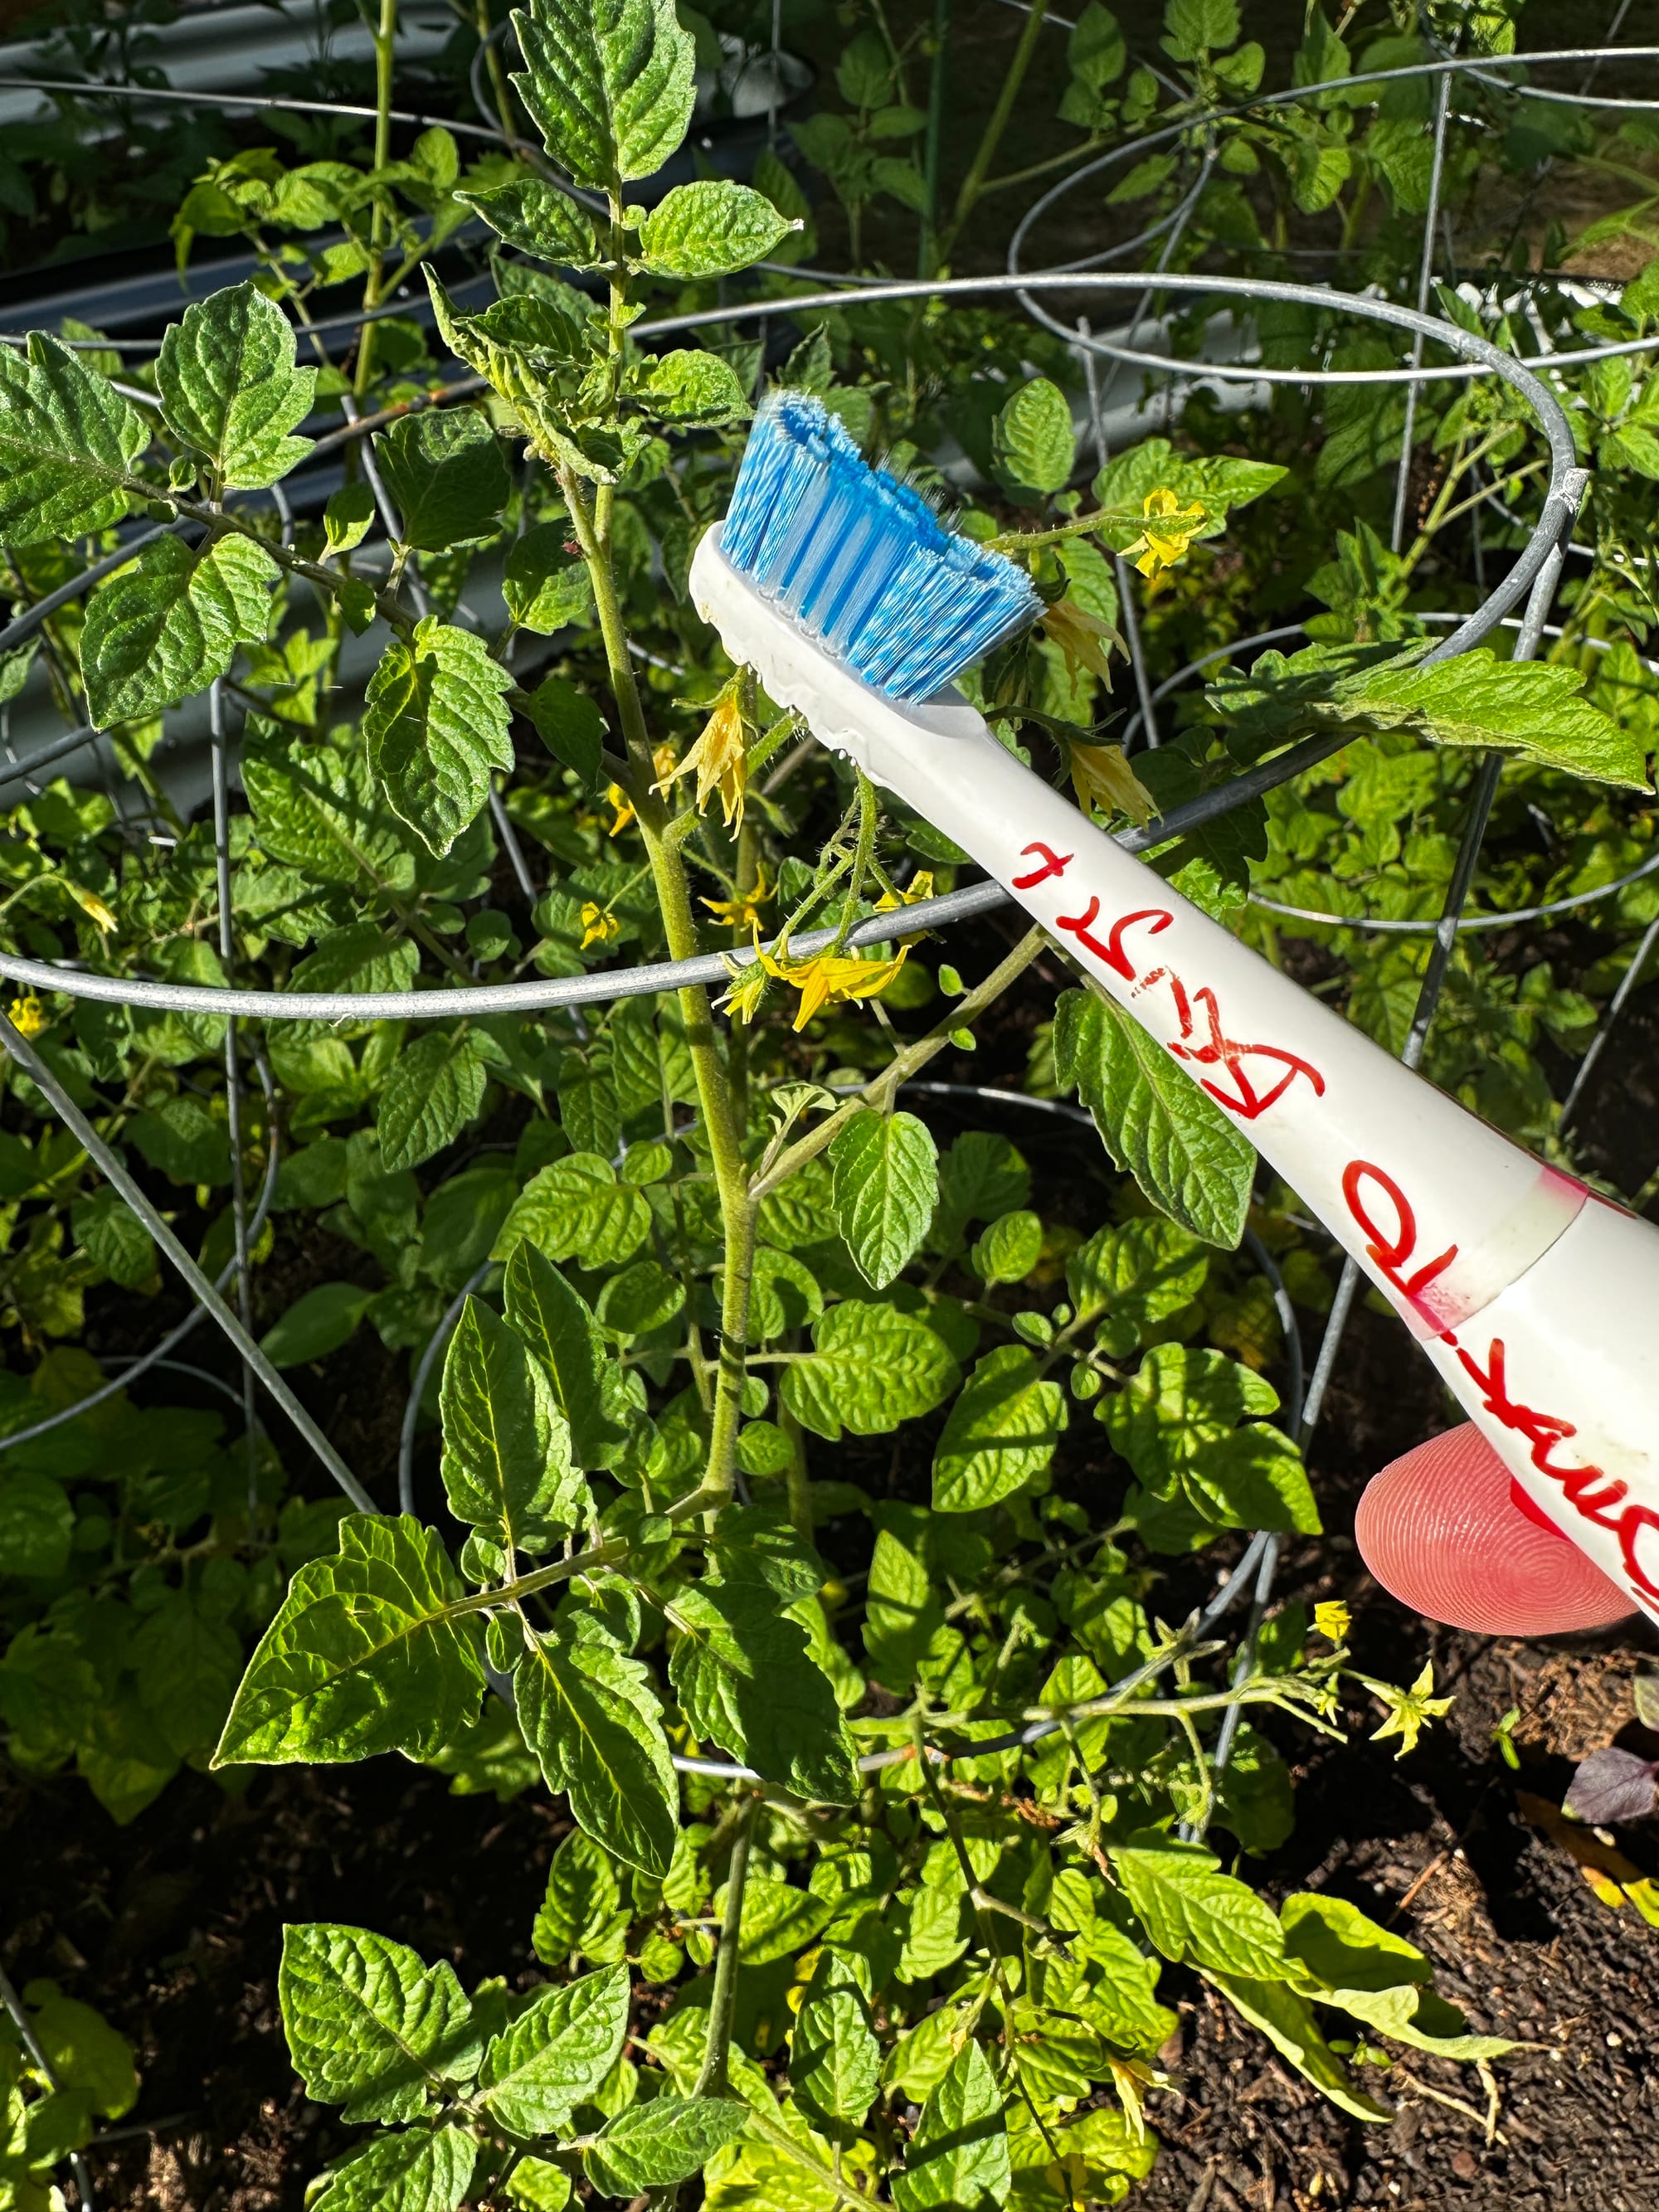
(28, 1017)
(1409, 1710)
(1170, 530)
(1331, 1620)
(1083, 638)
(742, 912)
(1102, 777)
(718, 759)
(834, 979)
(663, 761)
(599, 927)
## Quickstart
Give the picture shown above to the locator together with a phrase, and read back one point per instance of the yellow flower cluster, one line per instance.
(599, 927)
(1169, 530)
(742, 912)
(828, 978)
(719, 759)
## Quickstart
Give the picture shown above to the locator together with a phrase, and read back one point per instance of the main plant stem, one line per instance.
(385, 43)
(722, 2002)
(720, 1118)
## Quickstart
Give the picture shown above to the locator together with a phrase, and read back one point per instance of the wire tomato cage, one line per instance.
(1520, 603)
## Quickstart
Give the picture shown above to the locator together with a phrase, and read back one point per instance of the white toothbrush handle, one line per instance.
(1537, 1302)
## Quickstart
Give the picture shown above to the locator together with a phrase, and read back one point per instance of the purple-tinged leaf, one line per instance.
(1612, 1785)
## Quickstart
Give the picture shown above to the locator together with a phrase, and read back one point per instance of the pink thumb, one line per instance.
(1448, 1531)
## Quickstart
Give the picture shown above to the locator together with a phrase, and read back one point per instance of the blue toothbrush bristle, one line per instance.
(859, 561)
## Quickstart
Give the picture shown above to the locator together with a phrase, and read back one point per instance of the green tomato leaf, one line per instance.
(36, 1523)
(834, 2060)
(186, 1665)
(1347, 1960)
(349, 517)
(591, 1718)
(1176, 1422)
(1193, 27)
(778, 1919)
(871, 1367)
(362, 1656)
(370, 2026)
(316, 1323)
(746, 1679)
(609, 87)
(959, 2158)
(558, 1325)
(1140, 1275)
(710, 229)
(576, 1209)
(547, 587)
(1000, 1433)
(415, 2170)
(571, 727)
(317, 810)
(435, 1088)
(556, 2053)
(184, 1140)
(1529, 707)
(111, 1233)
(1287, 2021)
(436, 725)
(981, 1177)
(171, 623)
(506, 1463)
(1009, 1249)
(1188, 1157)
(229, 389)
(886, 1184)
(580, 1908)
(1197, 1916)
(539, 220)
(643, 1297)
(447, 475)
(691, 388)
(68, 445)
(1032, 439)
(83, 2050)
(661, 2140)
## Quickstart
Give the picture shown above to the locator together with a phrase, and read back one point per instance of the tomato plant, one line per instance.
(891, 1788)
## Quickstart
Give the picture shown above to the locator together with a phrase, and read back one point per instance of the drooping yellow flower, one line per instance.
(742, 912)
(663, 761)
(1409, 1710)
(28, 1017)
(834, 979)
(718, 759)
(1102, 777)
(1169, 530)
(598, 925)
(1083, 638)
(91, 904)
(1331, 1619)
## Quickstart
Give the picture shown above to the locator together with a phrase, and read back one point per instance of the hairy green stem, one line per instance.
(979, 168)
(673, 886)
(722, 2002)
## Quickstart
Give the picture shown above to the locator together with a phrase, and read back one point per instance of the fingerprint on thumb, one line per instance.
(1449, 1532)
